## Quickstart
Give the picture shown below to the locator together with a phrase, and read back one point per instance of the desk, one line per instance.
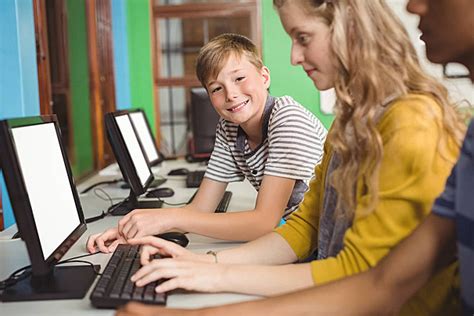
(13, 254)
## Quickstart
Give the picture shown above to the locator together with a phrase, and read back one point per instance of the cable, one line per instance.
(15, 277)
(100, 183)
(103, 214)
(81, 256)
(108, 197)
(170, 204)
(96, 218)
(81, 261)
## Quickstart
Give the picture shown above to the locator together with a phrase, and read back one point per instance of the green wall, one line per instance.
(139, 57)
(83, 161)
(286, 79)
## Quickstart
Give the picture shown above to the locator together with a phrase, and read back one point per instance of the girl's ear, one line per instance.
(266, 76)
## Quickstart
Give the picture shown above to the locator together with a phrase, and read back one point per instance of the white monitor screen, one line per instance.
(145, 135)
(47, 184)
(133, 147)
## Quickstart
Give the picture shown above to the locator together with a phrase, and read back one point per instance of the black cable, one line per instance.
(170, 204)
(15, 277)
(99, 183)
(103, 214)
(81, 256)
(96, 218)
(80, 261)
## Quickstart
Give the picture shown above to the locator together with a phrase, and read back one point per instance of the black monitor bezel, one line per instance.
(161, 157)
(19, 197)
(200, 96)
(122, 155)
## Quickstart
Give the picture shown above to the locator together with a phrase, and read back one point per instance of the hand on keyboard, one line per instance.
(105, 242)
(146, 222)
(184, 269)
(152, 246)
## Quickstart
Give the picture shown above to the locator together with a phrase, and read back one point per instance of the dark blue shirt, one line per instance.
(457, 203)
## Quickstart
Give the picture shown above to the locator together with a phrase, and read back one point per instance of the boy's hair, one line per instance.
(214, 55)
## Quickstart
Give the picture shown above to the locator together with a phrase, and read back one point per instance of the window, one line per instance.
(181, 28)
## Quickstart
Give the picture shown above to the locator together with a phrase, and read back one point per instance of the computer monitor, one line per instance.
(204, 120)
(46, 207)
(146, 136)
(131, 159)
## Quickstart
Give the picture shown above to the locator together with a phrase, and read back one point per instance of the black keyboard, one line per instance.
(114, 287)
(223, 204)
(194, 178)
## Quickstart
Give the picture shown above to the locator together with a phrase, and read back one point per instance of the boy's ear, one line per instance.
(266, 76)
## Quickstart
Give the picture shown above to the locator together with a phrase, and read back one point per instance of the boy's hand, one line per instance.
(105, 242)
(153, 245)
(146, 222)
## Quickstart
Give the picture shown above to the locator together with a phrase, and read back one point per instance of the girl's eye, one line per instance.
(240, 78)
(302, 39)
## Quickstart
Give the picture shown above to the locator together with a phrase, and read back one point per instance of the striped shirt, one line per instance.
(457, 203)
(292, 144)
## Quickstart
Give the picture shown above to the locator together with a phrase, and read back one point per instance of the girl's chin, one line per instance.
(322, 86)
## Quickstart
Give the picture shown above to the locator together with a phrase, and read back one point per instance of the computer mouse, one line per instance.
(160, 193)
(176, 237)
(178, 172)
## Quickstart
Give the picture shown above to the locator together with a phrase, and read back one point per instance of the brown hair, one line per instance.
(213, 56)
(375, 58)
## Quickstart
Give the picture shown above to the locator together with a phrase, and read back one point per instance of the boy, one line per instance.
(273, 142)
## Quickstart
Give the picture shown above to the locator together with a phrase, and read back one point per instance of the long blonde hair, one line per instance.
(375, 58)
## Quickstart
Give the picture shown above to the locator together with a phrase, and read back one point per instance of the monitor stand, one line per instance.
(132, 203)
(65, 282)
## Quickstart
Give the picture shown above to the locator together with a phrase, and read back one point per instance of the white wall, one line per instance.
(459, 88)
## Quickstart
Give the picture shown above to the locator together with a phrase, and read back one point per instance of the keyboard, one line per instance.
(194, 178)
(114, 287)
(223, 204)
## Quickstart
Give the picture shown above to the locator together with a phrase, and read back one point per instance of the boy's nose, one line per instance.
(418, 7)
(231, 94)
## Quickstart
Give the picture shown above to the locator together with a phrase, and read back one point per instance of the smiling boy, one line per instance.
(274, 142)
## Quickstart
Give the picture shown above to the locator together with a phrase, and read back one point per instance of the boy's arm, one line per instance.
(245, 225)
(196, 217)
(207, 198)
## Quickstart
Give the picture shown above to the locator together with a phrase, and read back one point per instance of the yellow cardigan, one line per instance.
(412, 175)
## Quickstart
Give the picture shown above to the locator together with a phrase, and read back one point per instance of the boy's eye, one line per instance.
(240, 78)
(216, 89)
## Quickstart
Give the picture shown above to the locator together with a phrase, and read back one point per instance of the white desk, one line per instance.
(13, 254)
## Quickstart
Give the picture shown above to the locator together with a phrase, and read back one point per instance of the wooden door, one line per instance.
(102, 85)
(51, 38)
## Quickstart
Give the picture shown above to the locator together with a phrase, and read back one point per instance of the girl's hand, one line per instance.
(188, 275)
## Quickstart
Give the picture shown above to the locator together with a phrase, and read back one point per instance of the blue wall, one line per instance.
(18, 76)
(120, 47)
